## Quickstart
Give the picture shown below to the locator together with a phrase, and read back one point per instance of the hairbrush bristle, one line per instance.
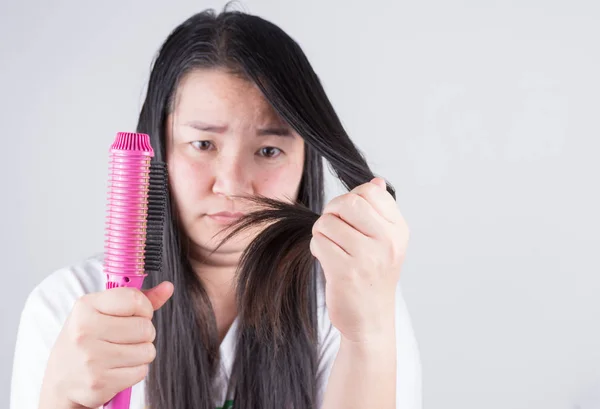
(157, 202)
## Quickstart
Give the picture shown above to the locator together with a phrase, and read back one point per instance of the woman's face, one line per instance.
(224, 140)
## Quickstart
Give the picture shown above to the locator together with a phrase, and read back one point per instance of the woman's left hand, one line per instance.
(360, 241)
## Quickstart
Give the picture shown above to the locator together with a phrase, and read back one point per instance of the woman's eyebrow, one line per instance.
(203, 126)
(274, 130)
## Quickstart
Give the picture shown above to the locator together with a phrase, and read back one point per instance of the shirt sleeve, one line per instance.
(408, 371)
(37, 332)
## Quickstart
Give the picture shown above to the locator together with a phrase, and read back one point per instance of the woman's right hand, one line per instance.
(105, 346)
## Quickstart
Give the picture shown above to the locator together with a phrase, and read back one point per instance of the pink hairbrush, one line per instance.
(134, 225)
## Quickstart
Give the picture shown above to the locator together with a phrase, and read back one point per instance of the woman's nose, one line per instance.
(232, 176)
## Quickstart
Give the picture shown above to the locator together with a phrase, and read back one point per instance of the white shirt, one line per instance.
(50, 302)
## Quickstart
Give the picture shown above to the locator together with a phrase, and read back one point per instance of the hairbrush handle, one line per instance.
(127, 210)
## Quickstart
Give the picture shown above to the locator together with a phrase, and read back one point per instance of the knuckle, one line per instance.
(143, 329)
(358, 188)
(313, 245)
(150, 331)
(79, 334)
(88, 359)
(334, 202)
(136, 298)
(142, 372)
(150, 352)
(343, 199)
(145, 353)
(80, 303)
(319, 240)
(140, 303)
(338, 202)
(95, 383)
(328, 218)
(369, 189)
(353, 276)
(79, 337)
(323, 221)
(370, 262)
(80, 307)
(317, 225)
(395, 250)
(353, 201)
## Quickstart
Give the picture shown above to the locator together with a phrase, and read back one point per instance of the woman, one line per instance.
(235, 110)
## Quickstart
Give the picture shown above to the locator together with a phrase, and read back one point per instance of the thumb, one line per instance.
(379, 182)
(160, 294)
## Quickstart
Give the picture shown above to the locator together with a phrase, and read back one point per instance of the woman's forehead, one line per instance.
(219, 98)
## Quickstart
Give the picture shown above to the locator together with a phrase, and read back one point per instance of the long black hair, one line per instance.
(276, 354)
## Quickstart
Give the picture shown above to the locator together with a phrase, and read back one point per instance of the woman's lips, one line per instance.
(225, 217)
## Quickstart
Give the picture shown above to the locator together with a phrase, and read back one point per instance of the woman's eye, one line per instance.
(269, 152)
(202, 145)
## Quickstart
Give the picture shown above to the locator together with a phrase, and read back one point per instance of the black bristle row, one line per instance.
(157, 201)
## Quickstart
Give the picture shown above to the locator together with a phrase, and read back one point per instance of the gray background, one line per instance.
(485, 116)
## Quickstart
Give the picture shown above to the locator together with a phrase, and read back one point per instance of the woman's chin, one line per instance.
(209, 252)
(214, 243)
(207, 238)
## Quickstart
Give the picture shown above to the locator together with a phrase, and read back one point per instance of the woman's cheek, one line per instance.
(281, 183)
(189, 178)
